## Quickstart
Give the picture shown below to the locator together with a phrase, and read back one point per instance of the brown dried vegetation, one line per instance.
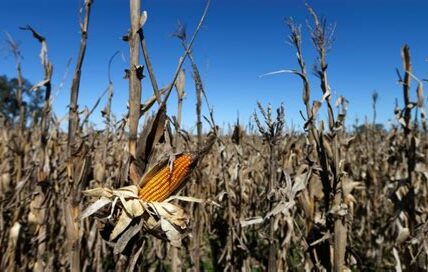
(260, 198)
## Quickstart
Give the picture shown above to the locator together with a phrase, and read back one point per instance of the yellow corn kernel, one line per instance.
(167, 180)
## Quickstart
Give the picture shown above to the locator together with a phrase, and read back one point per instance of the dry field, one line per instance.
(263, 197)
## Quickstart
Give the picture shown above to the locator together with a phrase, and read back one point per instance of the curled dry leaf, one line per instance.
(403, 234)
(124, 239)
(94, 207)
(300, 183)
(161, 219)
(252, 221)
(282, 207)
(121, 225)
(143, 18)
(14, 232)
(168, 221)
(179, 84)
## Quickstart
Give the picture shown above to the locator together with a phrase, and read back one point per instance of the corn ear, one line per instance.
(164, 180)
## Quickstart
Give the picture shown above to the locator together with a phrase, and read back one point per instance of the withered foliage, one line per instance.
(263, 197)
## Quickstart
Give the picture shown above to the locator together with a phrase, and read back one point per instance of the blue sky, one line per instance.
(240, 40)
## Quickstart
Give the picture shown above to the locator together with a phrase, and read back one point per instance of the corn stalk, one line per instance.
(135, 76)
(409, 146)
(78, 163)
(73, 124)
(43, 171)
(327, 146)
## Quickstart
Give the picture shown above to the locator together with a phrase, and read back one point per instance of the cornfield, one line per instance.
(326, 197)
